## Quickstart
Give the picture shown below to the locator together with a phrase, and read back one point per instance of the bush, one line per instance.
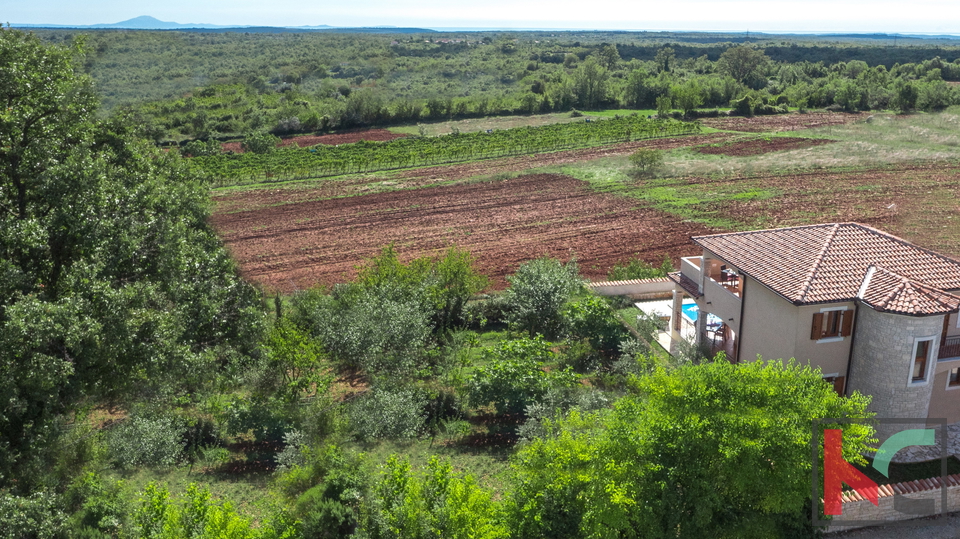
(635, 268)
(538, 291)
(591, 318)
(35, 517)
(646, 160)
(389, 413)
(201, 148)
(148, 441)
(515, 377)
(259, 143)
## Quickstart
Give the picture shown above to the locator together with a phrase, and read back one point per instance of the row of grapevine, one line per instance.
(301, 163)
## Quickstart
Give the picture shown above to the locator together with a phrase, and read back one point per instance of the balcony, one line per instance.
(950, 348)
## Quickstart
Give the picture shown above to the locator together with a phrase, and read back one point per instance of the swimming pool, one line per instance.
(691, 310)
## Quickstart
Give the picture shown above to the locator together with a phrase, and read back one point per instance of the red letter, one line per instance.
(837, 471)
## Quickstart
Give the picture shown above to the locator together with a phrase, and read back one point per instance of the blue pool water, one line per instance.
(691, 310)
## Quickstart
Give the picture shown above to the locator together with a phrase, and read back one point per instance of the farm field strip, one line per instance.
(264, 195)
(321, 161)
(503, 223)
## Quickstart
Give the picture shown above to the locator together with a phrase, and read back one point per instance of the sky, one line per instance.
(888, 16)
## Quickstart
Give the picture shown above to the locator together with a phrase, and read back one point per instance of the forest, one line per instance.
(199, 86)
(150, 391)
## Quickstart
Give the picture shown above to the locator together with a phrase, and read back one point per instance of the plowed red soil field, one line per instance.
(332, 139)
(761, 146)
(503, 223)
(783, 122)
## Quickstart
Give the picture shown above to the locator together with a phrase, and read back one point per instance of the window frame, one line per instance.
(841, 323)
(928, 361)
(950, 386)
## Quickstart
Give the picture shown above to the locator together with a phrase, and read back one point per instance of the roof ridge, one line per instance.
(817, 262)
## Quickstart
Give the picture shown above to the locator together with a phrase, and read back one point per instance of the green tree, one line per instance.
(687, 96)
(646, 160)
(664, 59)
(257, 142)
(743, 62)
(112, 284)
(537, 294)
(590, 82)
(514, 377)
(664, 104)
(713, 450)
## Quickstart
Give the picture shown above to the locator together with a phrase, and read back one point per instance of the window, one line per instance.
(831, 323)
(921, 360)
(953, 377)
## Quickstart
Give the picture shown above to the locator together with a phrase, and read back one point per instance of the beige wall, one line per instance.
(831, 357)
(952, 329)
(776, 329)
(944, 402)
(770, 324)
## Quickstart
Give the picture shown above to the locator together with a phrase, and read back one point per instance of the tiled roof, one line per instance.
(686, 283)
(888, 292)
(826, 263)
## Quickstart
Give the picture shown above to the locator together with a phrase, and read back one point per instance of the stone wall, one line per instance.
(857, 508)
(880, 364)
(659, 288)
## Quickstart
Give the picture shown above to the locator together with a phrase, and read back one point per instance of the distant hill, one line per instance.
(146, 22)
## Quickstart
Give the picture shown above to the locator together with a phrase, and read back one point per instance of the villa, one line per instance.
(876, 313)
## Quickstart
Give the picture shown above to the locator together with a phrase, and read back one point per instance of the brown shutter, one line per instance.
(846, 323)
(817, 330)
(838, 384)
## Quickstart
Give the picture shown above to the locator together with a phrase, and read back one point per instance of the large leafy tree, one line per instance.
(714, 450)
(112, 285)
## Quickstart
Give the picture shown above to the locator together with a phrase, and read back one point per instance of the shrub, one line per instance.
(515, 377)
(591, 318)
(35, 517)
(200, 148)
(636, 268)
(538, 291)
(259, 143)
(148, 441)
(646, 160)
(389, 413)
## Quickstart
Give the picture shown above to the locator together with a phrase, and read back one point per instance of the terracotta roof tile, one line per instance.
(886, 291)
(826, 263)
(688, 285)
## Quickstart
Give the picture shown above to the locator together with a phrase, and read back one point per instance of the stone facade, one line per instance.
(882, 356)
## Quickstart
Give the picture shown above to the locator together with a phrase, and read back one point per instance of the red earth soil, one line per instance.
(229, 201)
(332, 139)
(502, 222)
(759, 146)
(783, 122)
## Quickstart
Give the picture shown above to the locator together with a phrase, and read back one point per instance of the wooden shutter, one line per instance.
(846, 323)
(817, 330)
(838, 383)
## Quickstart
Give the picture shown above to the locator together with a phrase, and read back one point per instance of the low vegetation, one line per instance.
(151, 392)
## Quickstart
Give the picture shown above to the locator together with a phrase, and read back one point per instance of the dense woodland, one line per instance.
(131, 350)
(195, 85)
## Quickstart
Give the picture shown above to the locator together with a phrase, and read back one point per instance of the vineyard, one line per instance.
(320, 161)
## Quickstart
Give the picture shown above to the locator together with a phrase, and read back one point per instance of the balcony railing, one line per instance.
(950, 348)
